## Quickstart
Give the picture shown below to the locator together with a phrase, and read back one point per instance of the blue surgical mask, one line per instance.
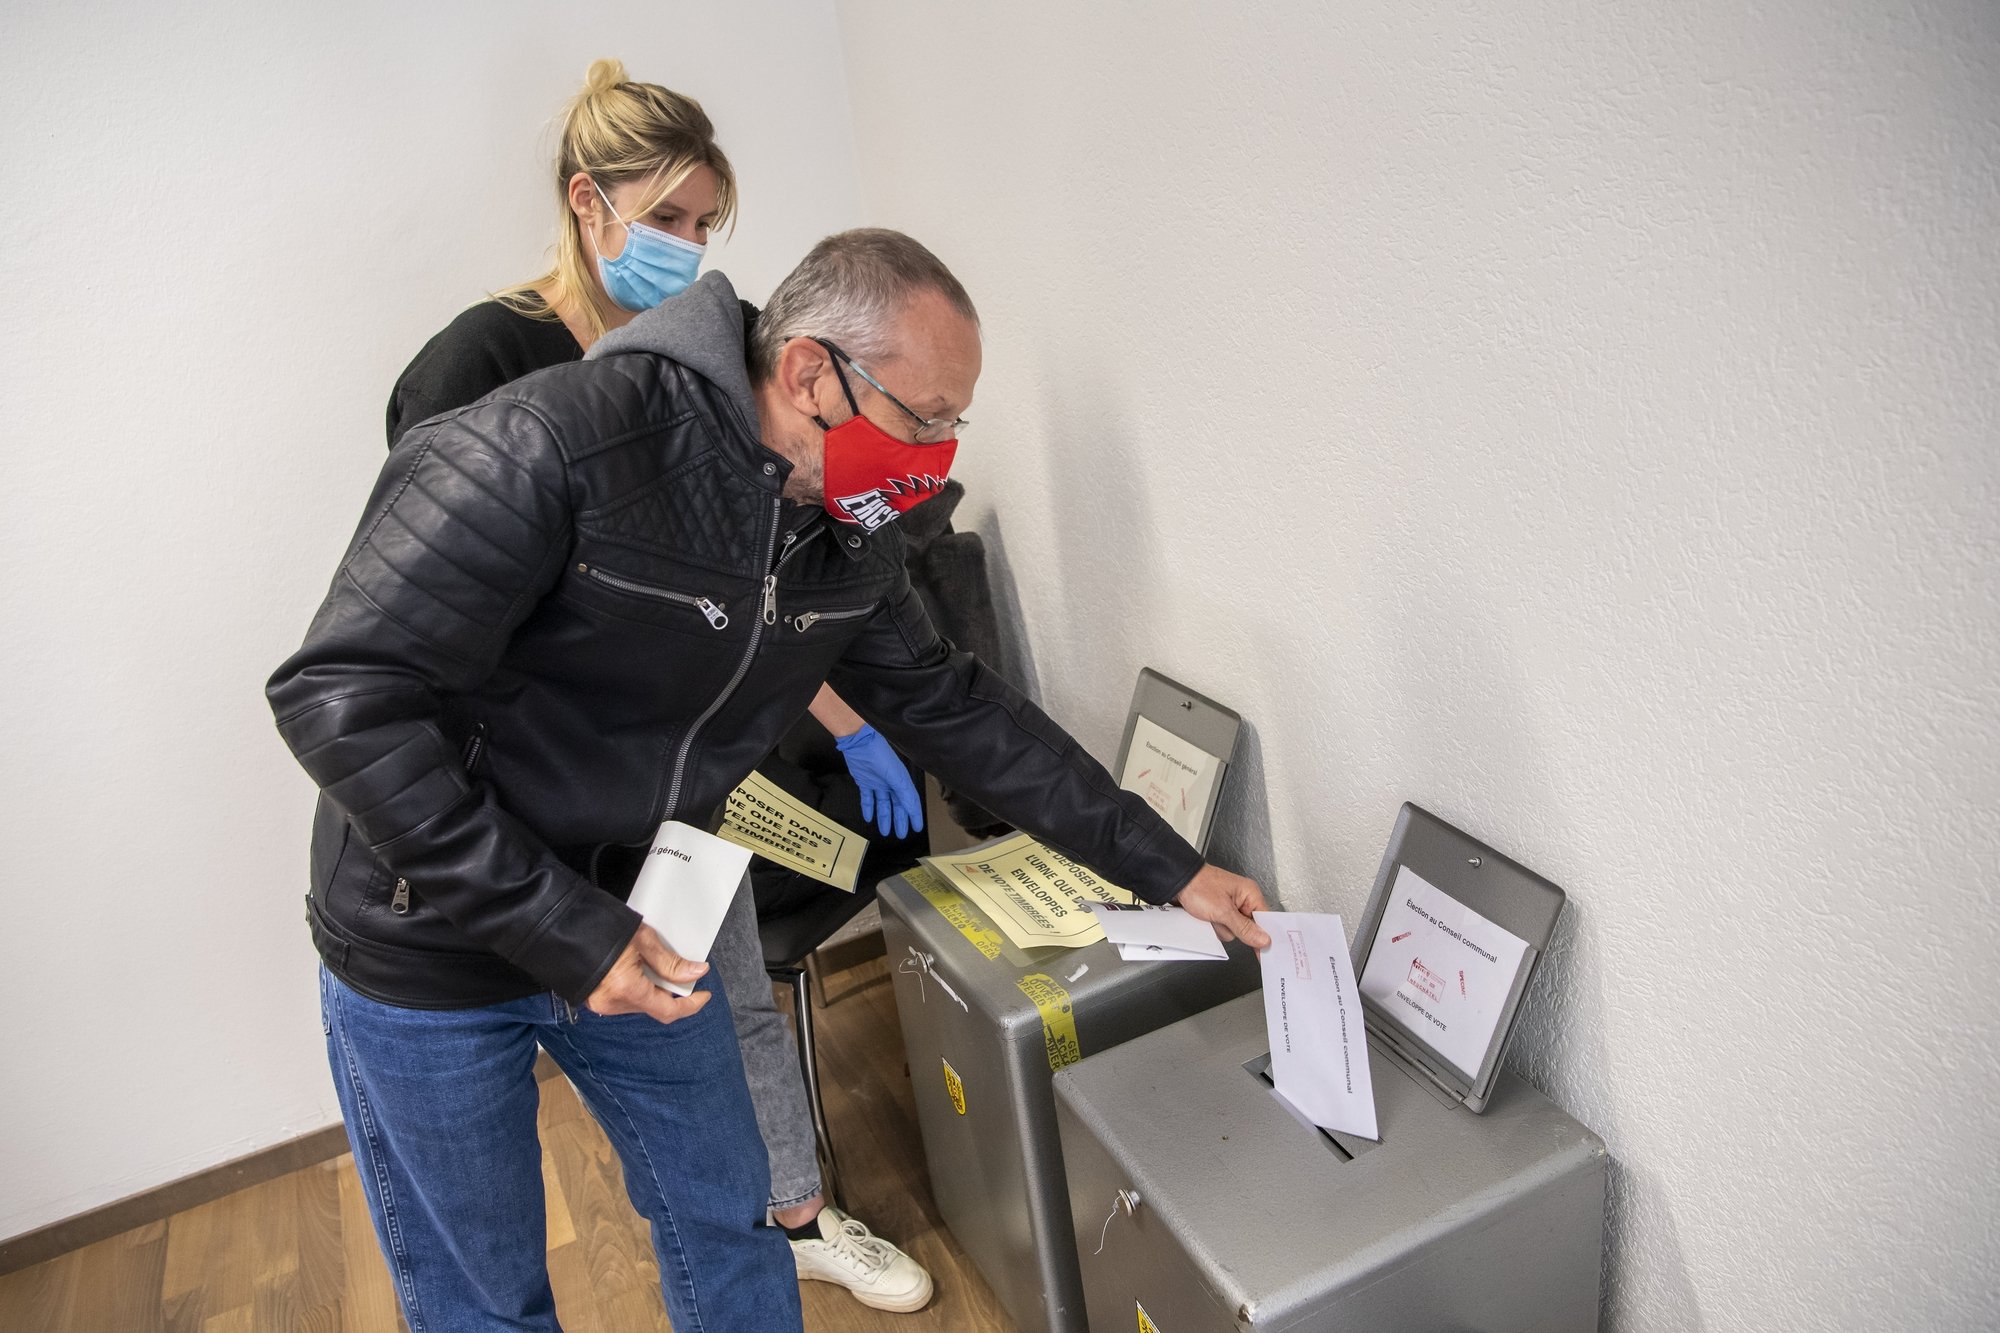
(653, 265)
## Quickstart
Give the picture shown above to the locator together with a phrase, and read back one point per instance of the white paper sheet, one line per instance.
(1312, 1014)
(1158, 934)
(1441, 970)
(1174, 776)
(684, 889)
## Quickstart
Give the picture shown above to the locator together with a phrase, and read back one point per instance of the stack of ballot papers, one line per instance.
(1312, 1014)
(1147, 934)
(1034, 894)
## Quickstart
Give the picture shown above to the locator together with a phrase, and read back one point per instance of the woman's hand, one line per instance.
(888, 797)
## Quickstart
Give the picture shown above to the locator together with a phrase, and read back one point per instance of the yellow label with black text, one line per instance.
(953, 908)
(1145, 1325)
(954, 1086)
(1058, 1023)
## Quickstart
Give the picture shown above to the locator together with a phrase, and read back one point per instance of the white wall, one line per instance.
(1579, 423)
(1580, 420)
(223, 230)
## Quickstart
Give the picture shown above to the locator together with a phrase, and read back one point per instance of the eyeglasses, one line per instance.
(930, 430)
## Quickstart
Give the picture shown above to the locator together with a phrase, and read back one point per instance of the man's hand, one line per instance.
(628, 990)
(1226, 901)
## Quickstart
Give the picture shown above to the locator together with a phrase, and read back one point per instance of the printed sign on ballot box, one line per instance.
(1441, 970)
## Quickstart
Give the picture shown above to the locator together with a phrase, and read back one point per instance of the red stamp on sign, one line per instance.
(1400, 938)
(1461, 982)
(1425, 980)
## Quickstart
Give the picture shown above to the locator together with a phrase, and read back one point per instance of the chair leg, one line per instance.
(817, 976)
(809, 1067)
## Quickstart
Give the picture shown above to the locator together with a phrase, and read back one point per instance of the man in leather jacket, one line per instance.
(592, 601)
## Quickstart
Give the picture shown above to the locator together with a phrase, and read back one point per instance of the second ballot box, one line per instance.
(1203, 1203)
(986, 1026)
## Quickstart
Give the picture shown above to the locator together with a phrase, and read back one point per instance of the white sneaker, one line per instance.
(848, 1253)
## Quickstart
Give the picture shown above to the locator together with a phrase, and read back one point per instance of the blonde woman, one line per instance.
(642, 182)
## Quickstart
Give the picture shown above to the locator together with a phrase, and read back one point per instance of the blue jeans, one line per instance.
(440, 1108)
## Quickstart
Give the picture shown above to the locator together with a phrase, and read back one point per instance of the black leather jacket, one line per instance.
(580, 607)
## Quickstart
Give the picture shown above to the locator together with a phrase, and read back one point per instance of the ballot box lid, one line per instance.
(1199, 721)
(1445, 952)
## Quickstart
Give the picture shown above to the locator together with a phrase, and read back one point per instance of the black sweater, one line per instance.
(484, 348)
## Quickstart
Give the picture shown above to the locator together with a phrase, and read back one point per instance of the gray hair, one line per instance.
(849, 290)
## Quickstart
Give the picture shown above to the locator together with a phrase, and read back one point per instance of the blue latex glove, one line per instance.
(888, 798)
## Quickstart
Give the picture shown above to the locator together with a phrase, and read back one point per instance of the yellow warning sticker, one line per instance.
(953, 1085)
(1145, 1325)
(953, 908)
(1058, 1023)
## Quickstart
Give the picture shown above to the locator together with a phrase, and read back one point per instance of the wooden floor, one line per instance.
(299, 1252)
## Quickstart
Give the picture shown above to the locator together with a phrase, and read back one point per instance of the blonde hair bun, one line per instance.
(603, 76)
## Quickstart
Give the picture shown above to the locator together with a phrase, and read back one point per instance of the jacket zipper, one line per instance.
(805, 620)
(709, 608)
(793, 545)
(769, 617)
(399, 901)
(475, 744)
(791, 548)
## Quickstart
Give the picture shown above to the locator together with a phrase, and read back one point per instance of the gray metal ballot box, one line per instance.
(985, 1026)
(1201, 1202)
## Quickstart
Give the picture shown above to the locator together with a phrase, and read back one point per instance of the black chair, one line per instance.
(789, 938)
(795, 914)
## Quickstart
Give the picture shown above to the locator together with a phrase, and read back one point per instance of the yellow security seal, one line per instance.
(1058, 1023)
(954, 1086)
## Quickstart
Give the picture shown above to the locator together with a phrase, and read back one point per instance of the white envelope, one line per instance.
(685, 889)
(1158, 934)
(1312, 1014)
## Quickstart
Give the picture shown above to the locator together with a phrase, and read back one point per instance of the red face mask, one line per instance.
(872, 478)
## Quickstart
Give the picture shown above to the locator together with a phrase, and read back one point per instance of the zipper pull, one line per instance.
(770, 599)
(400, 904)
(474, 743)
(804, 621)
(713, 610)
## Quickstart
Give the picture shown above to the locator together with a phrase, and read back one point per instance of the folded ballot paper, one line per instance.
(1147, 934)
(685, 888)
(1312, 1014)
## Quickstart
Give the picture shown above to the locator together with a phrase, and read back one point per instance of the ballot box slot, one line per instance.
(1260, 1069)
